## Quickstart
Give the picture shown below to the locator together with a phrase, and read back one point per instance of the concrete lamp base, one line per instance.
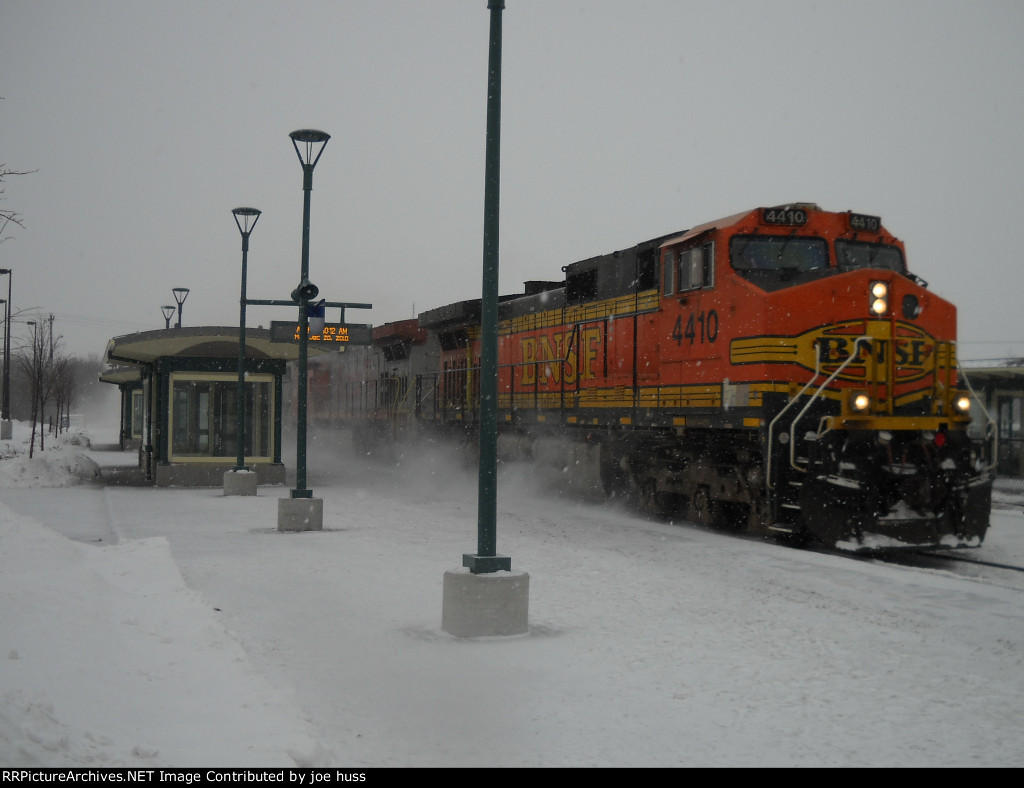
(477, 605)
(300, 514)
(240, 482)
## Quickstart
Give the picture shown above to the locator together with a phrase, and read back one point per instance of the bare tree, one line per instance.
(65, 387)
(30, 363)
(45, 367)
(7, 216)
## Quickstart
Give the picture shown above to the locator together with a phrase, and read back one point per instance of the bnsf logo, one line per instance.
(911, 357)
(559, 357)
(913, 350)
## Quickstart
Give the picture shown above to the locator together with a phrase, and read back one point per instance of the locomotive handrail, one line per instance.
(781, 413)
(811, 401)
(815, 396)
(990, 423)
(536, 364)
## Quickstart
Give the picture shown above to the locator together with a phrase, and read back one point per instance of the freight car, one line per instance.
(779, 371)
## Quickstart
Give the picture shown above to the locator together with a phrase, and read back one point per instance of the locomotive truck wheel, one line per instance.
(649, 498)
(614, 479)
(701, 506)
(658, 504)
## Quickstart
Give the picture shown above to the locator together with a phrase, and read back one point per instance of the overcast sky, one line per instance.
(621, 120)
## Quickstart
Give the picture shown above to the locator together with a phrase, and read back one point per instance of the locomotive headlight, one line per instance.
(962, 404)
(879, 298)
(859, 402)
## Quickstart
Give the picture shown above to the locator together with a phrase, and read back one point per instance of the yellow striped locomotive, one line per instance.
(778, 371)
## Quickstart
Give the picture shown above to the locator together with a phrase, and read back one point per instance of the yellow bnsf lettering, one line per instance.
(549, 353)
(912, 353)
(556, 357)
(909, 352)
(827, 347)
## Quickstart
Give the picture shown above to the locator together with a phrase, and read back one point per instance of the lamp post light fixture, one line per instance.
(309, 145)
(246, 219)
(180, 294)
(168, 312)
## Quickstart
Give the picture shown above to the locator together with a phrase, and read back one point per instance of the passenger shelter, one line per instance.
(999, 384)
(179, 401)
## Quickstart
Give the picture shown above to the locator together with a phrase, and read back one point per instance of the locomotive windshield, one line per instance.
(778, 253)
(858, 254)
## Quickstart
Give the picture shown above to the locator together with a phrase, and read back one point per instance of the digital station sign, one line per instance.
(337, 334)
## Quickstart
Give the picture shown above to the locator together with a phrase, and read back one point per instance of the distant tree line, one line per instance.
(45, 382)
(47, 385)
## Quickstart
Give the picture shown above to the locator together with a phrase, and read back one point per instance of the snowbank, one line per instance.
(109, 660)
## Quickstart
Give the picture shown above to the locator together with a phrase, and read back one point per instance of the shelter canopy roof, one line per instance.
(145, 347)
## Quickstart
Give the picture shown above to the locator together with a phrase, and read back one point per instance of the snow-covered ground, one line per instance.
(178, 627)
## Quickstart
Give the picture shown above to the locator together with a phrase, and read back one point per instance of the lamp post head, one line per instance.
(4, 271)
(180, 294)
(246, 219)
(314, 141)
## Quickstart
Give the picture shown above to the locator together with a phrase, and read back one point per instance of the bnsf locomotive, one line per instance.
(779, 371)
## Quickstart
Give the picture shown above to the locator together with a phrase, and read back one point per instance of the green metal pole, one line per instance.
(300, 490)
(302, 295)
(486, 560)
(6, 415)
(242, 217)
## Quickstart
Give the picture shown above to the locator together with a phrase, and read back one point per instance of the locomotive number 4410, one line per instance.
(789, 217)
(700, 327)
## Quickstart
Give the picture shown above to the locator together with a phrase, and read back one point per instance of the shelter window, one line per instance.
(204, 416)
(137, 413)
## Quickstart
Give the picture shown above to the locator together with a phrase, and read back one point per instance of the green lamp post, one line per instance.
(246, 219)
(6, 412)
(309, 144)
(486, 560)
(180, 294)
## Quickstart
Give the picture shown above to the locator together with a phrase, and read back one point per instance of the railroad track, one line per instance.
(968, 560)
(966, 566)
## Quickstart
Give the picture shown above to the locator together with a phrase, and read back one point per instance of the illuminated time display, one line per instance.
(334, 333)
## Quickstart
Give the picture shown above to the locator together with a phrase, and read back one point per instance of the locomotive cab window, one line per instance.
(778, 253)
(689, 269)
(859, 254)
(773, 262)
